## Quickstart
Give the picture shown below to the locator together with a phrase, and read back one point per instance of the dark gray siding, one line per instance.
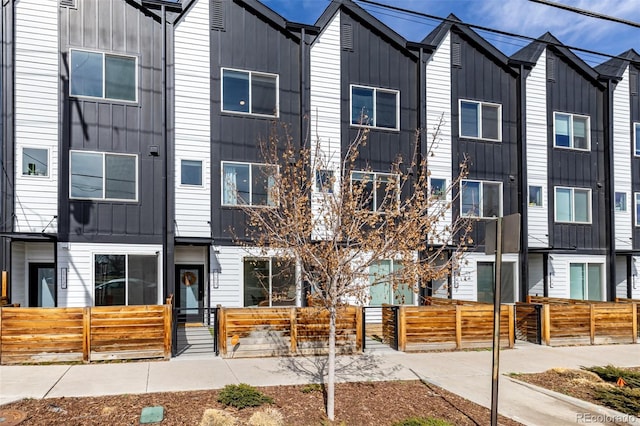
(634, 74)
(250, 43)
(573, 92)
(111, 126)
(482, 78)
(377, 62)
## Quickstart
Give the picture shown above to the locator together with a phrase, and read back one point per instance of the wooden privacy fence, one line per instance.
(259, 332)
(577, 322)
(36, 335)
(445, 326)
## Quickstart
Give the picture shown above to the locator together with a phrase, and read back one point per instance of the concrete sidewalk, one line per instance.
(467, 374)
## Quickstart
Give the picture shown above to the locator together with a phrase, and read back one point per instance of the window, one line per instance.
(480, 120)
(481, 199)
(35, 162)
(573, 205)
(636, 139)
(637, 196)
(249, 92)
(375, 107)
(248, 184)
(191, 172)
(535, 196)
(269, 282)
(324, 181)
(103, 75)
(384, 287)
(374, 191)
(126, 279)
(621, 201)
(585, 281)
(571, 131)
(487, 282)
(438, 188)
(98, 175)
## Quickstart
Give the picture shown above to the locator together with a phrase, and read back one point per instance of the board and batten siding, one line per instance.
(622, 163)
(193, 120)
(438, 103)
(36, 112)
(78, 260)
(465, 281)
(325, 110)
(559, 280)
(537, 146)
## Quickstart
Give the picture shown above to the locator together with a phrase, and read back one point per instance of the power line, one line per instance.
(588, 13)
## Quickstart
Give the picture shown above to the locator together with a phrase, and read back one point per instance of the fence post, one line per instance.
(546, 324)
(402, 328)
(634, 320)
(293, 332)
(512, 325)
(459, 326)
(86, 334)
(359, 329)
(592, 323)
(222, 330)
(168, 330)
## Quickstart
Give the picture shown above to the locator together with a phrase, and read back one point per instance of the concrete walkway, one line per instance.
(467, 374)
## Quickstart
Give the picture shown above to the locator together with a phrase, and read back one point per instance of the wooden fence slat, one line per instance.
(458, 326)
(86, 334)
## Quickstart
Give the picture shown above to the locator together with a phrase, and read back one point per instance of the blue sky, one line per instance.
(515, 16)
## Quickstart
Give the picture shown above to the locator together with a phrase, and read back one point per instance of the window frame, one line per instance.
(324, 180)
(384, 281)
(625, 207)
(571, 136)
(479, 118)
(270, 260)
(514, 284)
(36, 176)
(375, 193)
(250, 165)
(573, 205)
(104, 179)
(375, 109)
(637, 208)
(585, 282)
(126, 274)
(481, 200)
(441, 196)
(104, 80)
(636, 140)
(535, 205)
(250, 100)
(192, 185)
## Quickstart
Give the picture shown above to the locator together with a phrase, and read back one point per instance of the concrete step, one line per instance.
(194, 341)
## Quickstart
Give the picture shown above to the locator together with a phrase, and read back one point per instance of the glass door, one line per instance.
(190, 292)
(42, 285)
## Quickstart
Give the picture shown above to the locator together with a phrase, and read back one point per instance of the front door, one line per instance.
(190, 292)
(42, 285)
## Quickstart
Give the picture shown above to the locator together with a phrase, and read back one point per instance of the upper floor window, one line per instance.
(374, 191)
(637, 204)
(103, 75)
(636, 139)
(438, 188)
(324, 181)
(375, 107)
(535, 196)
(248, 184)
(571, 131)
(191, 172)
(481, 198)
(103, 176)
(35, 162)
(480, 120)
(621, 201)
(249, 92)
(573, 205)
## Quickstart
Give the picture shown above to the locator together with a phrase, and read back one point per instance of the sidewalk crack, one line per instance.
(56, 382)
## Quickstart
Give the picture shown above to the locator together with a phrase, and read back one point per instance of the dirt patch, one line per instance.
(371, 403)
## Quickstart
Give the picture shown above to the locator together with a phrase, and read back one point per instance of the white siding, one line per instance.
(536, 275)
(36, 111)
(559, 285)
(78, 259)
(193, 121)
(635, 272)
(621, 276)
(18, 274)
(622, 161)
(325, 109)
(438, 86)
(537, 162)
(465, 282)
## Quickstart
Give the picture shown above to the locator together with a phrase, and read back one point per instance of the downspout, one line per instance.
(609, 189)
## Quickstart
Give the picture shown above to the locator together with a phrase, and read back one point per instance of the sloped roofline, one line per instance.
(614, 68)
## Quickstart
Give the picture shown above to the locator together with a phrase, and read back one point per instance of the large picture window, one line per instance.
(103, 176)
(373, 191)
(573, 205)
(103, 75)
(571, 131)
(248, 184)
(269, 282)
(585, 281)
(125, 279)
(249, 92)
(481, 198)
(375, 107)
(480, 120)
(486, 282)
(384, 287)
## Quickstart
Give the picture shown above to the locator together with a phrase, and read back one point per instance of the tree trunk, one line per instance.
(331, 373)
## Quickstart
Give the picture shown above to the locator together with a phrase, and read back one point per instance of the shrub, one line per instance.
(625, 400)
(422, 421)
(312, 387)
(611, 374)
(242, 396)
(268, 417)
(213, 417)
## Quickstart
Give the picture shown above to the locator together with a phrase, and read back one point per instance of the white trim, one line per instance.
(535, 206)
(479, 118)
(250, 73)
(636, 204)
(191, 185)
(104, 178)
(626, 202)
(28, 176)
(481, 198)
(375, 120)
(573, 213)
(571, 141)
(222, 163)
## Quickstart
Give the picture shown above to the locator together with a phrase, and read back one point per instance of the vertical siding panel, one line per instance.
(622, 148)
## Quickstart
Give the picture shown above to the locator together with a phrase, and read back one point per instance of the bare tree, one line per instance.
(338, 222)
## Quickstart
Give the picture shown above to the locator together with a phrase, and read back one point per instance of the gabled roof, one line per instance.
(615, 67)
(453, 22)
(363, 16)
(531, 53)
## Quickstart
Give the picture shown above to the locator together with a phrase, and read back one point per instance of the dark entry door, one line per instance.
(42, 285)
(190, 292)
